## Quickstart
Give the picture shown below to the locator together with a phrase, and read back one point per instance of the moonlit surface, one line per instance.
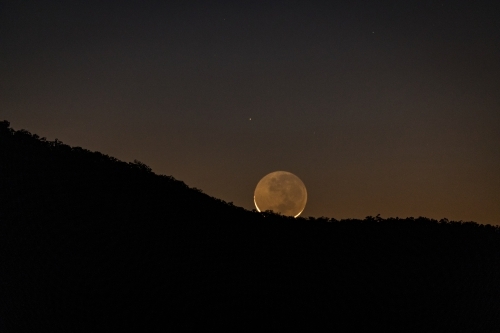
(282, 192)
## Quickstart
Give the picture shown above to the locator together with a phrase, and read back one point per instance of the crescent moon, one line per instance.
(282, 192)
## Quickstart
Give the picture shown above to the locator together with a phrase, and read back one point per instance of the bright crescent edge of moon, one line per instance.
(258, 209)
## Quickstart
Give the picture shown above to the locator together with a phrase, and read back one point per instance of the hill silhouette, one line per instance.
(91, 243)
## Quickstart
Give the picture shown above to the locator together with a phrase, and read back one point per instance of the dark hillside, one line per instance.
(88, 243)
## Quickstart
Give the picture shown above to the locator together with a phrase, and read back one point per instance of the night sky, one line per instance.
(380, 107)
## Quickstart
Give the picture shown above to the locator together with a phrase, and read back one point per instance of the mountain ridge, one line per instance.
(90, 241)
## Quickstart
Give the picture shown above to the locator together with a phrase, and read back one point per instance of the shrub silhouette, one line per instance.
(89, 241)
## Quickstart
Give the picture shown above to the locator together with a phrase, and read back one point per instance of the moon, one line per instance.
(282, 192)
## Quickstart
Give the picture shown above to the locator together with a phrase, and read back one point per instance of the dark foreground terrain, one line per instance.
(89, 243)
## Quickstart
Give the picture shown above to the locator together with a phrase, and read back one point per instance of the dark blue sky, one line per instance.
(390, 107)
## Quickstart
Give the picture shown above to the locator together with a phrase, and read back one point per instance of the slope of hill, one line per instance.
(88, 242)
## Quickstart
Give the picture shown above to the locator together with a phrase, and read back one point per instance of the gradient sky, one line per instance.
(389, 107)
